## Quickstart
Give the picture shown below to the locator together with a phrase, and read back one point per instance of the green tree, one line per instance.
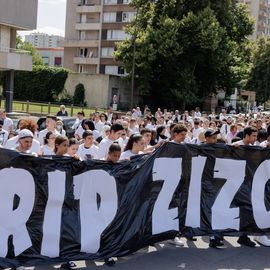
(185, 50)
(42, 84)
(79, 94)
(259, 79)
(26, 46)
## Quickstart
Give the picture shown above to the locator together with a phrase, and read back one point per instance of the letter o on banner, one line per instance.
(13, 221)
(261, 177)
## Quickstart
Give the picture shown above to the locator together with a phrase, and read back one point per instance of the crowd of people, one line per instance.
(111, 136)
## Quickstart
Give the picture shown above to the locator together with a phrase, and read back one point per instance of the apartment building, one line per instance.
(15, 15)
(92, 29)
(260, 11)
(42, 40)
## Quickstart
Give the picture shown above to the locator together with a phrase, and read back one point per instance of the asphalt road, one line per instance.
(194, 255)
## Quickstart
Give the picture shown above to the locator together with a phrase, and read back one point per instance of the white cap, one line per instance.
(24, 133)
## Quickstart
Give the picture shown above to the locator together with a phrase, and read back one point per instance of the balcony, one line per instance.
(88, 26)
(89, 9)
(86, 60)
(71, 43)
(15, 59)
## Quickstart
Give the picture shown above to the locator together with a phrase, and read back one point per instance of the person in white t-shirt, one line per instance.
(7, 122)
(47, 149)
(25, 124)
(197, 129)
(3, 134)
(50, 126)
(135, 146)
(114, 135)
(88, 150)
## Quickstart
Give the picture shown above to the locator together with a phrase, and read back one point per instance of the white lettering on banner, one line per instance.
(13, 221)
(261, 177)
(94, 219)
(224, 217)
(169, 171)
(193, 216)
(53, 213)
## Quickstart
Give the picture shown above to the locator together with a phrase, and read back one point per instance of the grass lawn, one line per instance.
(43, 108)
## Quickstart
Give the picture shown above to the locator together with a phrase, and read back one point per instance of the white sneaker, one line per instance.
(262, 240)
(176, 241)
(20, 268)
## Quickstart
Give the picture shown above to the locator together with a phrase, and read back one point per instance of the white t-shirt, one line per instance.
(7, 123)
(12, 143)
(83, 151)
(99, 126)
(3, 137)
(197, 131)
(104, 148)
(47, 151)
(264, 144)
(127, 154)
(43, 133)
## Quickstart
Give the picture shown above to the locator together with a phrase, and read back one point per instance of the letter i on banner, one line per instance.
(94, 219)
(13, 221)
(193, 217)
(169, 171)
(53, 213)
(261, 177)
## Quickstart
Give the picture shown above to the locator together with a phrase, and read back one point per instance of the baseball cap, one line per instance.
(210, 132)
(24, 133)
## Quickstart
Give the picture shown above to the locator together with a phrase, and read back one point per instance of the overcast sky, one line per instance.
(51, 17)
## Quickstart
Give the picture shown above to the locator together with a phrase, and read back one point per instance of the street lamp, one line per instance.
(133, 62)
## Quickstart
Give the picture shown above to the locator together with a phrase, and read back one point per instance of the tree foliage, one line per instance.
(185, 50)
(42, 84)
(259, 80)
(26, 46)
(79, 94)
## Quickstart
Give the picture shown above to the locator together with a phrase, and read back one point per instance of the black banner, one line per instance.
(58, 209)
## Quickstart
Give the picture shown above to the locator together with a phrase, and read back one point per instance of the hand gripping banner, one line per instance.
(58, 209)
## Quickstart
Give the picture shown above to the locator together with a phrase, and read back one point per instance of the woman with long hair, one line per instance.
(61, 144)
(135, 146)
(48, 147)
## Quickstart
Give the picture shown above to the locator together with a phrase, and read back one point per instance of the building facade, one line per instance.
(92, 29)
(260, 11)
(42, 40)
(15, 15)
(52, 57)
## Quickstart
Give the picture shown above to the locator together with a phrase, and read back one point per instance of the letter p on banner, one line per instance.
(13, 221)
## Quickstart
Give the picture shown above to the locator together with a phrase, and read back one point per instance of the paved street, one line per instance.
(194, 255)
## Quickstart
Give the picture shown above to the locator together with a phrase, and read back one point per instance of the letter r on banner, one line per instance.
(169, 171)
(13, 221)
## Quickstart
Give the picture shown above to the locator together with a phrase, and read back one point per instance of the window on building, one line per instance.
(111, 70)
(46, 60)
(57, 61)
(109, 17)
(121, 71)
(128, 16)
(107, 52)
(116, 35)
(102, 69)
(80, 68)
(110, 2)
